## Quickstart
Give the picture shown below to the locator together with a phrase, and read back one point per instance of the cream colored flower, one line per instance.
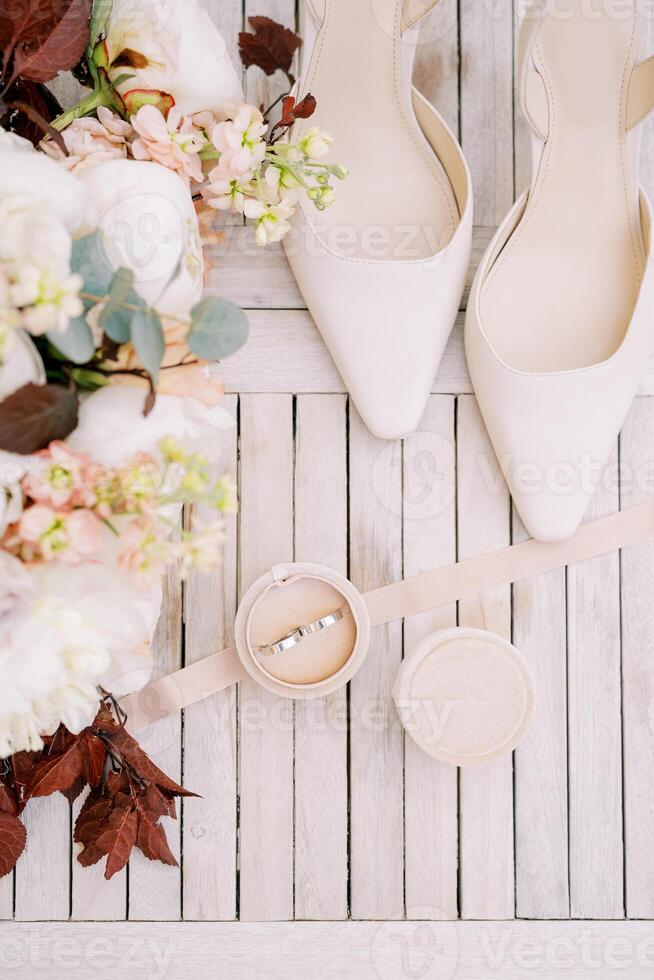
(241, 143)
(172, 48)
(316, 143)
(272, 221)
(173, 142)
(50, 303)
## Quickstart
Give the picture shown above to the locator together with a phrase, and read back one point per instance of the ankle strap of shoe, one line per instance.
(413, 11)
(641, 93)
(533, 94)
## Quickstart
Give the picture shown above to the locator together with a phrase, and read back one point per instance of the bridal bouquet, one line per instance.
(110, 392)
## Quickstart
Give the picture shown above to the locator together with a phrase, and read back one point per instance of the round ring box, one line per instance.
(286, 598)
(465, 696)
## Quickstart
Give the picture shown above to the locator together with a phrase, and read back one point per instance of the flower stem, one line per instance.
(83, 108)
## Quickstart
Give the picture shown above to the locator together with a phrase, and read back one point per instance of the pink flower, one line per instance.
(61, 478)
(90, 140)
(173, 142)
(146, 552)
(52, 535)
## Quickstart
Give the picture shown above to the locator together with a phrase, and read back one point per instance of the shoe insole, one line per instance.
(562, 293)
(398, 203)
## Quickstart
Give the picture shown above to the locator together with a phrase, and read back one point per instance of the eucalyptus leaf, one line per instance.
(218, 329)
(90, 262)
(76, 344)
(148, 339)
(116, 317)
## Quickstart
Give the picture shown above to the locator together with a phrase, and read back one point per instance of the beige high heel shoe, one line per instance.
(383, 269)
(559, 324)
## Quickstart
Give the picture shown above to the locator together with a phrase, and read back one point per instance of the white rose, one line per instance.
(173, 48)
(125, 619)
(10, 141)
(147, 220)
(22, 365)
(35, 176)
(112, 428)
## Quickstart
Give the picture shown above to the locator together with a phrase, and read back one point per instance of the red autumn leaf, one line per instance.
(12, 842)
(92, 819)
(134, 755)
(45, 37)
(8, 801)
(75, 790)
(117, 782)
(151, 839)
(271, 47)
(90, 856)
(292, 110)
(94, 754)
(158, 803)
(118, 841)
(56, 772)
(35, 415)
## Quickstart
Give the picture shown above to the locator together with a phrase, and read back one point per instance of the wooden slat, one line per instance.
(265, 721)
(430, 787)
(487, 105)
(376, 741)
(541, 760)
(285, 353)
(93, 897)
(436, 69)
(486, 804)
(7, 897)
(347, 950)
(522, 135)
(637, 465)
(595, 739)
(43, 871)
(321, 783)
(155, 889)
(209, 826)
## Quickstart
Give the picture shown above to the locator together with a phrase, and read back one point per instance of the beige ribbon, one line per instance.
(169, 695)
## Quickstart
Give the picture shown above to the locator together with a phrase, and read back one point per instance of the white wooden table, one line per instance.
(325, 844)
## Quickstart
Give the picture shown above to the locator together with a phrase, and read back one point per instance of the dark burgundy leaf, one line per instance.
(94, 755)
(74, 791)
(271, 47)
(56, 772)
(151, 839)
(35, 415)
(117, 842)
(92, 819)
(41, 100)
(134, 755)
(159, 804)
(90, 856)
(8, 801)
(46, 37)
(12, 842)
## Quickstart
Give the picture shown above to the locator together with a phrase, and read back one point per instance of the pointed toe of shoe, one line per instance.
(548, 516)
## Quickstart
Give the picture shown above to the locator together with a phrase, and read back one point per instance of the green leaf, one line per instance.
(148, 339)
(77, 343)
(116, 319)
(90, 262)
(125, 77)
(99, 18)
(218, 329)
(89, 380)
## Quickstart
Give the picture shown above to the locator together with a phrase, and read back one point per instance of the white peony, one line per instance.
(112, 428)
(29, 174)
(147, 220)
(60, 637)
(173, 48)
